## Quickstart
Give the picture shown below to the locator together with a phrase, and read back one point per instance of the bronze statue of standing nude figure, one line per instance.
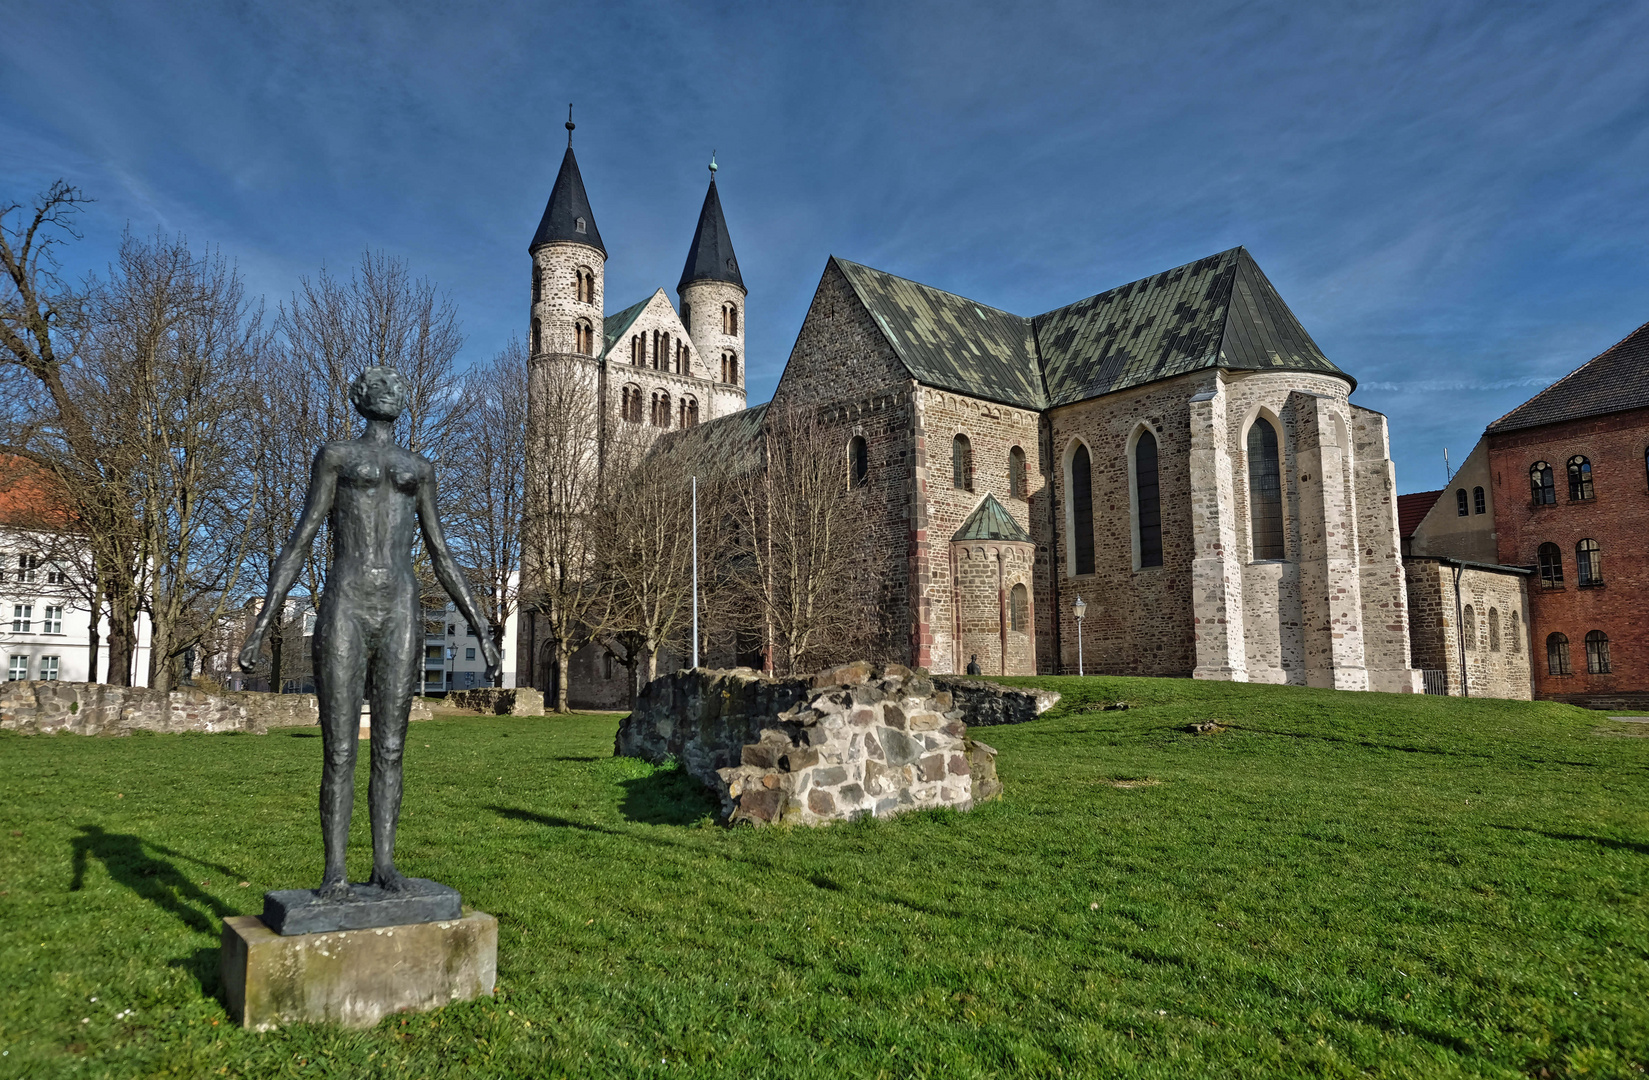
(369, 641)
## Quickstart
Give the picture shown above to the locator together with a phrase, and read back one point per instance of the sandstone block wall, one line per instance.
(1494, 604)
(501, 701)
(44, 708)
(852, 741)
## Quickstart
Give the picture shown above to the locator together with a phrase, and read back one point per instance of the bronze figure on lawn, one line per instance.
(369, 634)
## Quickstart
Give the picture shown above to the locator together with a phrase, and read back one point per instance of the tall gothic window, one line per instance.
(1480, 502)
(1588, 564)
(1016, 473)
(1557, 655)
(1460, 503)
(638, 349)
(1597, 653)
(1580, 478)
(858, 461)
(1494, 629)
(1150, 500)
(1019, 607)
(1265, 491)
(1542, 488)
(1551, 566)
(1468, 629)
(537, 336)
(1082, 510)
(961, 463)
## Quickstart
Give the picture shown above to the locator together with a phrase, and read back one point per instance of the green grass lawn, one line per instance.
(1336, 885)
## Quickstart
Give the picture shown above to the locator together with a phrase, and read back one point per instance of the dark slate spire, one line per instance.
(711, 257)
(568, 206)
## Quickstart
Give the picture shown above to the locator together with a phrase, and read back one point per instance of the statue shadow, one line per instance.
(128, 861)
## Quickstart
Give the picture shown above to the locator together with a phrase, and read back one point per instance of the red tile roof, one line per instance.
(1411, 508)
(30, 497)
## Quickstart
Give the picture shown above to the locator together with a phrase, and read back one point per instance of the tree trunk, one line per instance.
(122, 637)
(94, 640)
(563, 665)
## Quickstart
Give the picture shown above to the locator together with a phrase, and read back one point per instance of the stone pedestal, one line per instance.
(354, 978)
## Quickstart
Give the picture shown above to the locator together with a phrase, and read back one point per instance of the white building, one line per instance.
(45, 617)
(452, 650)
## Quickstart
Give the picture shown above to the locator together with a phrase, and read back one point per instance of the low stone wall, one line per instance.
(501, 701)
(848, 742)
(43, 708)
(985, 704)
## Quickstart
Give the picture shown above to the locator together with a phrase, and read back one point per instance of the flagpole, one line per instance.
(695, 571)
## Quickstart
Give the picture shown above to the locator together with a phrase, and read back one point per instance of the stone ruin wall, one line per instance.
(854, 741)
(48, 707)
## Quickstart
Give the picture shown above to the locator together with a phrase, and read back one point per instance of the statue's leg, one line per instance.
(396, 665)
(340, 669)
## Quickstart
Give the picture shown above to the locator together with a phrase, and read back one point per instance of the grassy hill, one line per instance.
(1334, 885)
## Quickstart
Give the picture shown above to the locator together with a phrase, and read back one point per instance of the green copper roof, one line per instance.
(1217, 312)
(990, 520)
(614, 326)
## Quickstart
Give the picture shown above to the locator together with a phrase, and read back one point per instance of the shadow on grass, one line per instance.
(1600, 841)
(154, 879)
(205, 965)
(667, 797)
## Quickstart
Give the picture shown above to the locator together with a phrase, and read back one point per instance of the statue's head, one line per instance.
(379, 393)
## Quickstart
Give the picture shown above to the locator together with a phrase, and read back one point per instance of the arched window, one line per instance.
(1016, 473)
(1468, 629)
(1557, 655)
(1551, 566)
(585, 338)
(631, 408)
(664, 351)
(537, 283)
(1512, 636)
(1542, 488)
(1494, 629)
(586, 285)
(729, 318)
(1597, 653)
(1265, 491)
(638, 349)
(1580, 478)
(1460, 503)
(580, 226)
(1150, 501)
(689, 412)
(1082, 510)
(682, 366)
(961, 463)
(537, 335)
(1480, 501)
(858, 461)
(1019, 609)
(1588, 564)
(729, 367)
(661, 409)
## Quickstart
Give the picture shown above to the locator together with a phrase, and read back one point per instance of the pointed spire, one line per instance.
(711, 258)
(567, 216)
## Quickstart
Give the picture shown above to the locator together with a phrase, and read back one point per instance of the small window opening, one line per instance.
(1494, 629)
(1019, 606)
(1468, 629)
(1597, 653)
(1551, 566)
(1150, 502)
(1588, 564)
(1557, 655)
(858, 461)
(1460, 503)
(961, 463)
(1580, 479)
(1480, 501)
(1542, 488)
(1016, 473)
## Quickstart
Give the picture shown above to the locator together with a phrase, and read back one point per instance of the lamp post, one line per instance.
(1081, 609)
(452, 651)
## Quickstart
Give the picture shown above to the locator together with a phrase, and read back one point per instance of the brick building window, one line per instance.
(1551, 566)
(1265, 491)
(1542, 489)
(1150, 500)
(1460, 503)
(961, 463)
(537, 283)
(689, 412)
(537, 336)
(1588, 564)
(1580, 479)
(1494, 629)
(585, 281)
(1468, 629)
(1082, 511)
(1016, 473)
(1019, 607)
(858, 461)
(1557, 655)
(1480, 502)
(1597, 653)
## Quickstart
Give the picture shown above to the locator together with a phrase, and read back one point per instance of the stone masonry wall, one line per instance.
(506, 701)
(1497, 656)
(853, 741)
(44, 708)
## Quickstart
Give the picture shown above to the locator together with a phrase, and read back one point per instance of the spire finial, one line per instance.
(712, 165)
(570, 125)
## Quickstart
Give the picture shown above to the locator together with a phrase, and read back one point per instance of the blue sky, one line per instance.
(1453, 197)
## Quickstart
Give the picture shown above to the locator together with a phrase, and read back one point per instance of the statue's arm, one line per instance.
(447, 571)
(323, 486)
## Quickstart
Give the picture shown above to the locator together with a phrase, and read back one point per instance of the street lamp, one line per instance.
(452, 651)
(1081, 609)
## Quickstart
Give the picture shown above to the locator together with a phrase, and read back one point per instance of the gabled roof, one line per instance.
(1412, 509)
(1217, 312)
(1612, 381)
(950, 342)
(990, 520)
(1220, 311)
(724, 440)
(567, 206)
(710, 257)
(613, 326)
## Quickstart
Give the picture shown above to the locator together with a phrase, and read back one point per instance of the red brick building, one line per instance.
(1570, 469)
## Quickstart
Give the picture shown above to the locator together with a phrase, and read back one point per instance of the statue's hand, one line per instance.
(251, 653)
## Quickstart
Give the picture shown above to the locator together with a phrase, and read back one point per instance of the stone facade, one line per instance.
(1483, 630)
(854, 741)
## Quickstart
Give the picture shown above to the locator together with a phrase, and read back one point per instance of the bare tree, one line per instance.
(800, 554)
(488, 493)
